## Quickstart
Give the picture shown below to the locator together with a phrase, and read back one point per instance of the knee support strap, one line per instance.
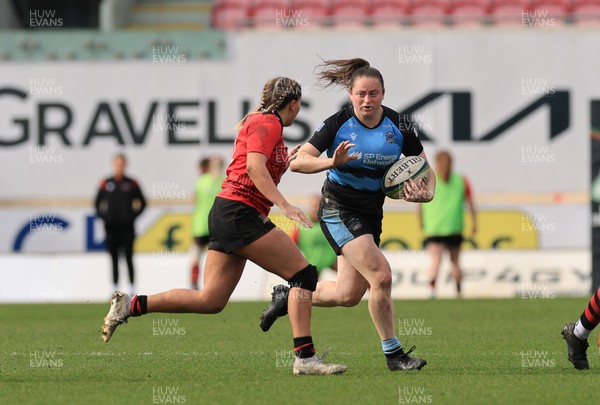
(306, 278)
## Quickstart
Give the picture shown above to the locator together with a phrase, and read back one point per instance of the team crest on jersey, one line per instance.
(389, 137)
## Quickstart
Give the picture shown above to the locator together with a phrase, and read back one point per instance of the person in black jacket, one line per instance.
(119, 202)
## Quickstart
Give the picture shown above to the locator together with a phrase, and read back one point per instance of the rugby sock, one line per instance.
(391, 347)
(139, 305)
(589, 318)
(303, 347)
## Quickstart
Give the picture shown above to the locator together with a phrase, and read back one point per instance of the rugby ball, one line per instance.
(409, 167)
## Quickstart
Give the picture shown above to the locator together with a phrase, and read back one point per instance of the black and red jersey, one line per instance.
(261, 133)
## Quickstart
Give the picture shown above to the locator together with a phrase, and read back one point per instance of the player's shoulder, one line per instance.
(269, 119)
(131, 181)
(264, 123)
(462, 177)
(393, 115)
(107, 180)
(336, 120)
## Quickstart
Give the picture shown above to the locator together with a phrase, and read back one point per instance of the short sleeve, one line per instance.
(263, 136)
(411, 146)
(324, 135)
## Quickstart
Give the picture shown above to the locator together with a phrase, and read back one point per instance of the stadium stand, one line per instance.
(271, 13)
(348, 14)
(117, 45)
(389, 13)
(181, 15)
(316, 12)
(467, 13)
(230, 14)
(119, 29)
(586, 12)
(557, 11)
(509, 12)
(430, 13)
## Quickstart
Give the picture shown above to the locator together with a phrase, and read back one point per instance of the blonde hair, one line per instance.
(276, 93)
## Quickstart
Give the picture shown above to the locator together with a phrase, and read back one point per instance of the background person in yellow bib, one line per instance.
(442, 218)
(206, 188)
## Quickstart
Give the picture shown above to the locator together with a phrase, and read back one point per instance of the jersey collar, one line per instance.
(361, 123)
(276, 114)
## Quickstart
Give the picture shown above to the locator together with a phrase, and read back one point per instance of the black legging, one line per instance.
(120, 237)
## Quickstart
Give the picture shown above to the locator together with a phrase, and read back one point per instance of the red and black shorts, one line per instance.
(233, 224)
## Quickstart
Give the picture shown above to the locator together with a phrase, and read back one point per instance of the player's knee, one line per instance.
(306, 278)
(382, 280)
(215, 307)
(350, 299)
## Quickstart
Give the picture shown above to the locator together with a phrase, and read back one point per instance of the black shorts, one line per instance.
(201, 241)
(233, 224)
(450, 241)
(341, 223)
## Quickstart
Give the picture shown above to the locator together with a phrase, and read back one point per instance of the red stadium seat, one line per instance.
(586, 12)
(510, 12)
(272, 14)
(430, 13)
(230, 14)
(346, 13)
(315, 12)
(389, 13)
(553, 12)
(469, 12)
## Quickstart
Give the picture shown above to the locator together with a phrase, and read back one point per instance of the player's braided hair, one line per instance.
(343, 72)
(276, 93)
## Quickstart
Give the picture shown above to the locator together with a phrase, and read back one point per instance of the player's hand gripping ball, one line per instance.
(409, 167)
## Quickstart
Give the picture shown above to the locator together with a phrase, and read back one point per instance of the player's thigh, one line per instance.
(435, 250)
(454, 254)
(275, 252)
(350, 283)
(222, 272)
(366, 257)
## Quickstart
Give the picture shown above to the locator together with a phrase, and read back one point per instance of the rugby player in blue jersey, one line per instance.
(361, 142)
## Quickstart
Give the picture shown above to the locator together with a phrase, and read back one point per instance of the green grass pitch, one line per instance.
(478, 352)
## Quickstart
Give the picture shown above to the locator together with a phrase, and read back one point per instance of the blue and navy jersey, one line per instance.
(378, 148)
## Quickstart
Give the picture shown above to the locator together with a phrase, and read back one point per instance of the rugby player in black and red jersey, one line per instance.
(240, 230)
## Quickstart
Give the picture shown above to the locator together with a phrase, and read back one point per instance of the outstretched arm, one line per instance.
(256, 166)
(307, 159)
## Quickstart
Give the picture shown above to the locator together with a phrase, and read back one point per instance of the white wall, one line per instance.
(87, 278)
